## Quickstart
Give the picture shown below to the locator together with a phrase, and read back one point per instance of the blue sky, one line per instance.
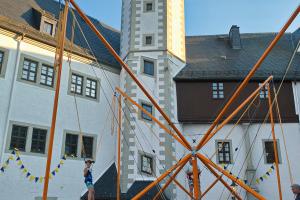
(207, 17)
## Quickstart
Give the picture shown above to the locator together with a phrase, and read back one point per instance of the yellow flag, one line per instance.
(50, 176)
(41, 179)
(257, 181)
(11, 158)
(4, 165)
(19, 163)
(31, 178)
(61, 162)
(25, 171)
(56, 170)
(270, 170)
(265, 176)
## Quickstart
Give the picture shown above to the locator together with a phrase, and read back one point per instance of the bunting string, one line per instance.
(15, 155)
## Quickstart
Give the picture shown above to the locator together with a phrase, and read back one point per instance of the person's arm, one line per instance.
(85, 171)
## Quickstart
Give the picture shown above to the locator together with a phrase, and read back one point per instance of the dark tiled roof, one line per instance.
(105, 187)
(19, 16)
(212, 58)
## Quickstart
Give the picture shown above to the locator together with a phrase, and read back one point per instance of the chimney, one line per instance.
(234, 37)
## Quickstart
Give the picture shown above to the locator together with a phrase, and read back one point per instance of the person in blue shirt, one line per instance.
(88, 179)
(296, 191)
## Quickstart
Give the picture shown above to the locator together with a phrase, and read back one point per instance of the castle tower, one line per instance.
(153, 45)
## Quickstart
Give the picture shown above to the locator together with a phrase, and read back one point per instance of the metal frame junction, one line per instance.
(175, 133)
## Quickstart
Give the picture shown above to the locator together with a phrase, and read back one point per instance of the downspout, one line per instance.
(19, 39)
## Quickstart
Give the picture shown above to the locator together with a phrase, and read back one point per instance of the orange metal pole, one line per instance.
(161, 177)
(129, 71)
(56, 97)
(249, 76)
(119, 146)
(170, 180)
(219, 178)
(274, 142)
(207, 162)
(151, 116)
(196, 178)
(211, 186)
(185, 190)
(237, 110)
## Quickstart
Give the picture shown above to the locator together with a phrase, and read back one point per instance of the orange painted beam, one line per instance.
(59, 61)
(211, 186)
(196, 178)
(208, 162)
(151, 116)
(161, 177)
(236, 111)
(249, 76)
(170, 180)
(219, 178)
(274, 142)
(130, 73)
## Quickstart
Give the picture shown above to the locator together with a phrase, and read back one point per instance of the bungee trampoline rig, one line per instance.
(194, 151)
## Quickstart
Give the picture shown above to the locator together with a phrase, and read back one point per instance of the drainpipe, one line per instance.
(19, 39)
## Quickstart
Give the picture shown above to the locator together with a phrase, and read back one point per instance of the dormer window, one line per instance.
(47, 28)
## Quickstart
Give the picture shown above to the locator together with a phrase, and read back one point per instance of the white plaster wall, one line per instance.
(257, 133)
(32, 104)
(125, 27)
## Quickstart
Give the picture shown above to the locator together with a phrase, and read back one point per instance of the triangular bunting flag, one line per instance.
(4, 165)
(31, 178)
(27, 175)
(18, 158)
(257, 181)
(56, 170)
(22, 167)
(58, 166)
(236, 149)
(41, 179)
(270, 170)
(36, 179)
(10, 157)
(2, 169)
(7, 162)
(273, 167)
(268, 173)
(50, 176)
(261, 178)
(53, 173)
(265, 176)
(61, 162)
(25, 171)
(13, 152)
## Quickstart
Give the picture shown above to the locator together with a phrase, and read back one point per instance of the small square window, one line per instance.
(224, 152)
(76, 84)
(91, 88)
(18, 137)
(148, 40)
(71, 144)
(218, 90)
(48, 28)
(147, 164)
(263, 93)
(47, 75)
(148, 108)
(39, 137)
(1, 60)
(149, 7)
(29, 70)
(269, 152)
(88, 146)
(149, 67)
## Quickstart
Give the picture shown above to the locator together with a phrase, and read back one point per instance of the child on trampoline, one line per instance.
(88, 179)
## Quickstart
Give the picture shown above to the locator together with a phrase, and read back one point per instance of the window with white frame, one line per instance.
(224, 152)
(269, 151)
(28, 138)
(74, 147)
(148, 108)
(218, 90)
(29, 70)
(47, 28)
(91, 88)
(88, 147)
(47, 75)
(1, 60)
(148, 40)
(38, 142)
(76, 84)
(149, 67)
(263, 93)
(18, 137)
(147, 164)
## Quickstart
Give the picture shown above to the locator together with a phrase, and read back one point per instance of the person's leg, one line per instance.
(93, 194)
(90, 197)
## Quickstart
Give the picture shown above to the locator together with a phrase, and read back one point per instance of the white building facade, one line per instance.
(152, 42)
